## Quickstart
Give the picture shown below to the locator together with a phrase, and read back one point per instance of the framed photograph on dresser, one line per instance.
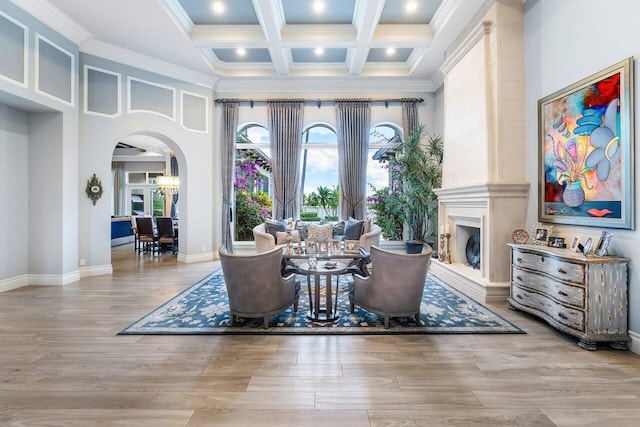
(585, 151)
(541, 233)
(603, 244)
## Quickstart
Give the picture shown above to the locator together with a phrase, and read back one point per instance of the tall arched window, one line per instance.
(253, 174)
(319, 173)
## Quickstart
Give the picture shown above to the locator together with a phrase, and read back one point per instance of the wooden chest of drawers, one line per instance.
(582, 296)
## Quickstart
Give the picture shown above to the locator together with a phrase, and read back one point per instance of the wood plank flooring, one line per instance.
(62, 364)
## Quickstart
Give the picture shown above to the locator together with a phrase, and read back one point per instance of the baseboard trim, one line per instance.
(634, 344)
(98, 270)
(54, 279)
(189, 259)
(14, 283)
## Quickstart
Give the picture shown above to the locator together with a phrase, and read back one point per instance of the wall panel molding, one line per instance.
(100, 92)
(54, 85)
(7, 61)
(184, 118)
(149, 97)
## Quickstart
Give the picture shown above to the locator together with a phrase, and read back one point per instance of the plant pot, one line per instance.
(414, 247)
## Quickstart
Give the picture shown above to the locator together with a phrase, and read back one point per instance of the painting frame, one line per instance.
(585, 146)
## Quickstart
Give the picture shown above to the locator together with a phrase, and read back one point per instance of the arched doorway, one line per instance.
(139, 162)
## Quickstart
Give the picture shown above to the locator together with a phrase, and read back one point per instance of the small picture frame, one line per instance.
(575, 246)
(312, 246)
(334, 246)
(586, 250)
(323, 247)
(603, 244)
(557, 242)
(541, 233)
(351, 246)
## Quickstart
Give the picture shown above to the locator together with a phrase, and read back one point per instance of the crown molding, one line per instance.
(52, 17)
(342, 84)
(137, 60)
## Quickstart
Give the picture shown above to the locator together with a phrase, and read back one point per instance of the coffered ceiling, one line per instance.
(234, 39)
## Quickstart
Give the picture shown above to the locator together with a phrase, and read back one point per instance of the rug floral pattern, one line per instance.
(203, 309)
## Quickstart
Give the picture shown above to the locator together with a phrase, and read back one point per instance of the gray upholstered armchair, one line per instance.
(395, 286)
(255, 285)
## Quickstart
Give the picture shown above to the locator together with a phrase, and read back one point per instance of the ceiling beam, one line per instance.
(365, 19)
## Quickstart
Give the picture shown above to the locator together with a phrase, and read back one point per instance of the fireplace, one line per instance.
(487, 213)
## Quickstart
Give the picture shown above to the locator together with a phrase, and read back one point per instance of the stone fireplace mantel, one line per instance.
(495, 210)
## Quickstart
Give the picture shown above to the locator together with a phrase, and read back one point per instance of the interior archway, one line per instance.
(138, 160)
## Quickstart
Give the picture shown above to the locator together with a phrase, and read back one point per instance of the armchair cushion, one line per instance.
(272, 227)
(353, 229)
(338, 229)
(320, 231)
(281, 237)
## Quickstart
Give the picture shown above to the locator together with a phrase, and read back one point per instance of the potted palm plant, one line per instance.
(416, 172)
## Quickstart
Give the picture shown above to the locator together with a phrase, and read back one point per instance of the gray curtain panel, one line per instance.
(285, 135)
(229, 128)
(353, 119)
(120, 188)
(409, 115)
(174, 197)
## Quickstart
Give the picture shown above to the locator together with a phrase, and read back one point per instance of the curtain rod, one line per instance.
(319, 102)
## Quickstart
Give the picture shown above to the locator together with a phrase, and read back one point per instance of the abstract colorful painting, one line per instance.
(586, 151)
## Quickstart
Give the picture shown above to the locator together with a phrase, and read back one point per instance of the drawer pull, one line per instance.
(519, 296)
(519, 259)
(563, 316)
(541, 259)
(519, 278)
(561, 271)
(564, 294)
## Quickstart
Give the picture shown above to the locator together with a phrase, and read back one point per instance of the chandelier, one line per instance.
(169, 185)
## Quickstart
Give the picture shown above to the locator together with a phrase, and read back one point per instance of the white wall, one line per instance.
(14, 205)
(555, 57)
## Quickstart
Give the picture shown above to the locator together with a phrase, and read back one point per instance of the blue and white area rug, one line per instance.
(203, 308)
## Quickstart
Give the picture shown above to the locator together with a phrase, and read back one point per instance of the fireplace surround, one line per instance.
(494, 210)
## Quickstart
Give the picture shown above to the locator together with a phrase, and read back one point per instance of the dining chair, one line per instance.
(146, 235)
(166, 234)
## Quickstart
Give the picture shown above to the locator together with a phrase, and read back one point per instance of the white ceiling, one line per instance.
(187, 40)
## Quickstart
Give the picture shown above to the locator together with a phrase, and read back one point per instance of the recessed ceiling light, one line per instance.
(318, 6)
(241, 51)
(218, 7)
(411, 6)
(319, 51)
(390, 51)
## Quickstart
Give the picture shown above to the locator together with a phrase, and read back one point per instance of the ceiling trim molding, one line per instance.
(54, 18)
(137, 60)
(369, 85)
(443, 14)
(177, 12)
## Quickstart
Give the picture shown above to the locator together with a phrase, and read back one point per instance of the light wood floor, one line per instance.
(62, 364)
